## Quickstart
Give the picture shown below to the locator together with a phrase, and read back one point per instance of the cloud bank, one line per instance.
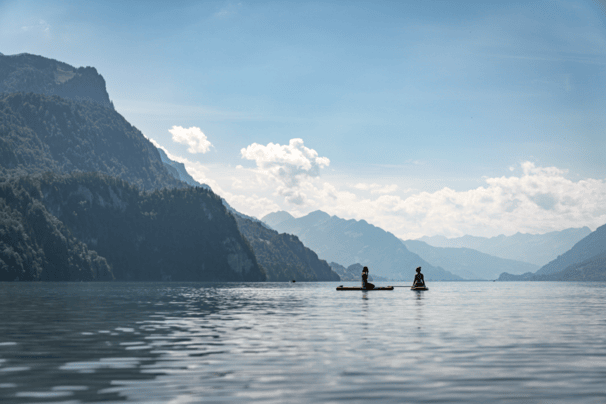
(287, 165)
(531, 200)
(539, 200)
(192, 137)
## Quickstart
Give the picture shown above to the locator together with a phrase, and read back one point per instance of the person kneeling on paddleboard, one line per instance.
(365, 283)
(419, 279)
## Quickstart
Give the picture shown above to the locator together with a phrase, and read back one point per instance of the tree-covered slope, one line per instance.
(283, 256)
(27, 73)
(39, 133)
(35, 245)
(350, 241)
(165, 235)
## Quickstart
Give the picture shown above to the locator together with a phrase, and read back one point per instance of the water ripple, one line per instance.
(459, 342)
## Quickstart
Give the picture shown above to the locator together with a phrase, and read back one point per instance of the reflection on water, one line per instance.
(303, 342)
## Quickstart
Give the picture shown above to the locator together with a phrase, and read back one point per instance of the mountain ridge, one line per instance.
(29, 73)
(350, 241)
(538, 249)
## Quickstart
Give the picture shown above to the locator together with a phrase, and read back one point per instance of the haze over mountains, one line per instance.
(468, 263)
(349, 242)
(536, 249)
(585, 261)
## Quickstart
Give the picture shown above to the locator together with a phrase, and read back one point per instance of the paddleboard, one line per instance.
(419, 288)
(359, 288)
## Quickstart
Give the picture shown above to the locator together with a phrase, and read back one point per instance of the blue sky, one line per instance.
(422, 114)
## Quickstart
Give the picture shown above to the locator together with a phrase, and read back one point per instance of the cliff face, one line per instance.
(39, 133)
(165, 235)
(36, 74)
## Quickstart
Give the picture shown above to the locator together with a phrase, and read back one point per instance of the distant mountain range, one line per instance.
(538, 249)
(353, 273)
(468, 263)
(349, 242)
(59, 119)
(586, 260)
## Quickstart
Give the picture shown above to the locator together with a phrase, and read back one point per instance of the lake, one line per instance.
(303, 342)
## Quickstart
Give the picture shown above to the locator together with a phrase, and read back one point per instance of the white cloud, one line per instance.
(289, 166)
(376, 188)
(193, 137)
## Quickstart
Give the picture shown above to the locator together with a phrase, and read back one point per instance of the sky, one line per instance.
(420, 117)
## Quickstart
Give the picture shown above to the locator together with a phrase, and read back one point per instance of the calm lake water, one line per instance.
(304, 342)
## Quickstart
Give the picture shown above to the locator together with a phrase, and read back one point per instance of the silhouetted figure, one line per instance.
(419, 280)
(365, 283)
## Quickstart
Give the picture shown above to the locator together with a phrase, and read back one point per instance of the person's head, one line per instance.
(365, 269)
(418, 269)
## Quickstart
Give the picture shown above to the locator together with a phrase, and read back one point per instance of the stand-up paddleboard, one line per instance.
(360, 288)
(419, 288)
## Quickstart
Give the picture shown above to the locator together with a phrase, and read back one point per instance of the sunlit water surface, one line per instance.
(302, 342)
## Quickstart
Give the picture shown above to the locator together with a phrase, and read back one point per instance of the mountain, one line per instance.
(56, 118)
(39, 133)
(166, 235)
(468, 263)
(353, 273)
(593, 269)
(537, 249)
(584, 261)
(178, 171)
(351, 241)
(589, 247)
(36, 246)
(27, 73)
(275, 218)
(283, 256)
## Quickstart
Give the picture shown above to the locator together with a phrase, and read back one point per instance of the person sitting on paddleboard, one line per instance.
(365, 283)
(419, 280)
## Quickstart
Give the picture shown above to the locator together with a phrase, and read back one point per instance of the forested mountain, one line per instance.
(169, 234)
(584, 261)
(468, 263)
(283, 256)
(538, 249)
(351, 241)
(39, 133)
(56, 118)
(35, 245)
(27, 73)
